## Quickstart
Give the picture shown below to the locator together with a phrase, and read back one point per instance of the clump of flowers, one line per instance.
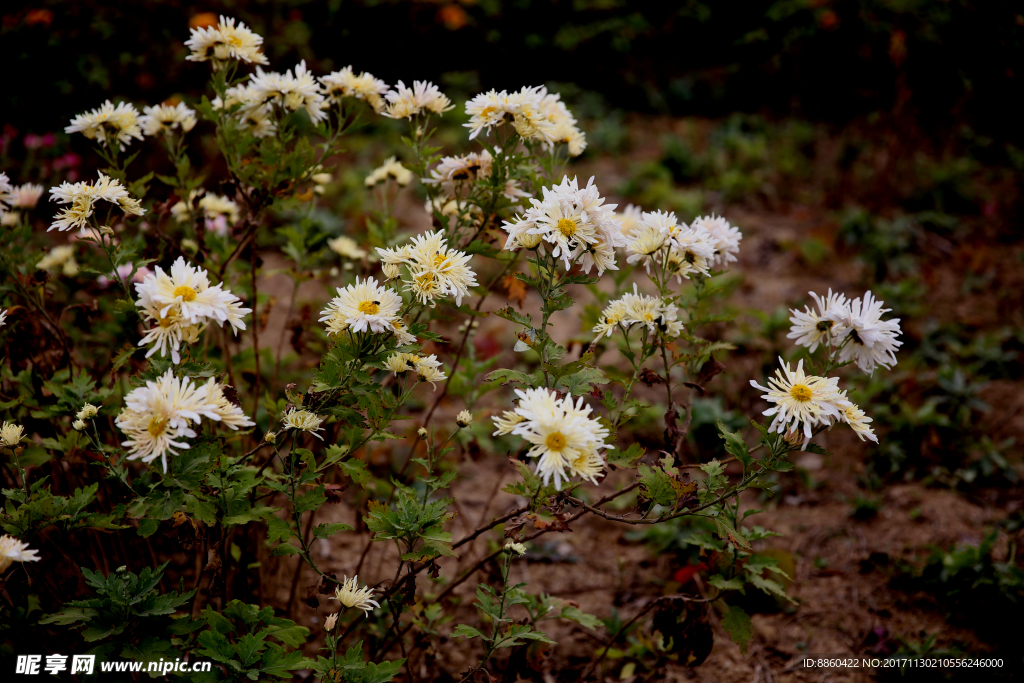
(82, 197)
(405, 103)
(427, 368)
(62, 257)
(566, 441)
(180, 304)
(654, 313)
(535, 114)
(165, 119)
(390, 169)
(853, 328)
(434, 268)
(159, 416)
(345, 83)
(108, 125)
(225, 41)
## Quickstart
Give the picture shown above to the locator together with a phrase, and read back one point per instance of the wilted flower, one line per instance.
(351, 595)
(304, 420)
(331, 621)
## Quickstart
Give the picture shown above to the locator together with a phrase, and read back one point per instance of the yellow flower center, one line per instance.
(567, 227)
(185, 292)
(801, 392)
(169, 320)
(369, 307)
(156, 427)
(555, 441)
(439, 259)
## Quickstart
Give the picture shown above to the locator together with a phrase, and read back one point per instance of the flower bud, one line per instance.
(464, 419)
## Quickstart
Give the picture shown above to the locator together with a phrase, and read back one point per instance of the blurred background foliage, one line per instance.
(945, 63)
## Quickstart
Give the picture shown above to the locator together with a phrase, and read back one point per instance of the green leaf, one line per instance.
(464, 631)
(625, 459)
(732, 536)
(583, 381)
(721, 583)
(737, 624)
(656, 485)
(574, 614)
(325, 530)
(735, 445)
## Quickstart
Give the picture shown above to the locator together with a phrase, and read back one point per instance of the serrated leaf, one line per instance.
(739, 627)
(735, 445)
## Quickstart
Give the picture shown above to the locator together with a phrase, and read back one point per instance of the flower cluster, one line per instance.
(455, 176)
(108, 124)
(658, 238)
(158, 416)
(852, 327)
(391, 168)
(218, 211)
(575, 223)
(804, 402)
(181, 303)
(82, 197)
(563, 436)
(62, 257)
(434, 269)
(534, 113)
(346, 83)
(88, 412)
(639, 309)
(405, 103)
(224, 42)
(427, 368)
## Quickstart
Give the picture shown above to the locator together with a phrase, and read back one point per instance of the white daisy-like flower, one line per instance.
(402, 334)
(802, 401)
(692, 252)
(858, 421)
(24, 196)
(464, 419)
(363, 306)
(564, 439)
(350, 594)
(813, 328)
(404, 103)
(213, 206)
(225, 41)
(165, 118)
(530, 111)
(291, 91)
(6, 190)
(434, 268)
(390, 169)
(159, 416)
(427, 368)
(12, 550)
(108, 124)
(82, 197)
(347, 247)
(639, 309)
(345, 83)
(456, 174)
(3, 317)
(725, 236)
(629, 219)
(303, 419)
(224, 411)
(863, 336)
(11, 434)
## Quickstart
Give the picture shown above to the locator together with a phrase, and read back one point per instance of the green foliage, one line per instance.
(250, 643)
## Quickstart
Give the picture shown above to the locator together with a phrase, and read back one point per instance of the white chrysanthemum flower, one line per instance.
(811, 328)
(181, 304)
(290, 91)
(24, 196)
(456, 175)
(565, 440)
(692, 252)
(864, 337)
(506, 422)
(225, 41)
(464, 419)
(350, 594)
(726, 238)
(574, 222)
(62, 257)
(78, 425)
(802, 400)
(165, 118)
(158, 416)
(346, 83)
(517, 548)
(434, 268)
(88, 412)
(304, 420)
(402, 334)
(224, 411)
(347, 247)
(391, 168)
(404, 103)
(858, 421)
(108, 124)
(535, 115)
(3, 317)
(12, 550)
(11, 434)
(363, 306)
(629, 220)
(82, 197)
(639, 309)
(427, 368)
(331, 621)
